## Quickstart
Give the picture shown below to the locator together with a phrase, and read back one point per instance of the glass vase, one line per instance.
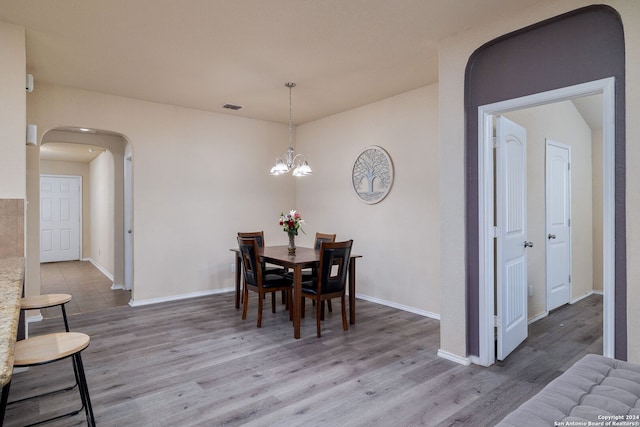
(292, 244)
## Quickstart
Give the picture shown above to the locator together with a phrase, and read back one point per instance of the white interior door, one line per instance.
(511, 235)
(558, 223)
(60, 218)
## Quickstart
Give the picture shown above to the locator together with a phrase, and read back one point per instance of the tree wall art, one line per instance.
(372, 175)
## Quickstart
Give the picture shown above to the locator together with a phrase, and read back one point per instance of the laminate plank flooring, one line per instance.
(196, 363)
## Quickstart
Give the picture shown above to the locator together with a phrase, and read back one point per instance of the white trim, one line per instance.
(36, 318)
(413, 310)
(171, 298)
(101, 268)
(588, 294)
(466, 361)
(485, 203)
(538, 317)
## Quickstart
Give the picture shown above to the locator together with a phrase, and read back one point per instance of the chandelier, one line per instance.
(290, 161)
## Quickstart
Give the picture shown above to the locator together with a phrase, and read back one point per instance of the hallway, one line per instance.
(89, 288)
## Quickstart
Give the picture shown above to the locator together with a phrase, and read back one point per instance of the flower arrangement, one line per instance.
(291, 222)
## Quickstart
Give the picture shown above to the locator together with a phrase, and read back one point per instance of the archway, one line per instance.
(120, 148)
(575, 48)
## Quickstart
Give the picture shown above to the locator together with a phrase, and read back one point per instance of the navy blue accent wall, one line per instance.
(577, 47)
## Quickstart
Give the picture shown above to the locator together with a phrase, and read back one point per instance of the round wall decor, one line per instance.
(372, 174)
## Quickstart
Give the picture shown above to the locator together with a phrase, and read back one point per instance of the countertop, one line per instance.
(11, 280)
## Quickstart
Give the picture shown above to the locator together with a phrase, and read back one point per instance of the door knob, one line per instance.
(528, 244)
(552, 236)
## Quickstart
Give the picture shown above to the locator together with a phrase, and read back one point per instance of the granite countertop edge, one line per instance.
(11, 281)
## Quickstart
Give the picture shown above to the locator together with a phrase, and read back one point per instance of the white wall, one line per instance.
(562, 123)
(198, 179)
(12, 112)
(102, 211)
(453, 56)
(399, 236)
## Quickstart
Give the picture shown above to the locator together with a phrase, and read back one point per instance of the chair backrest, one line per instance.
(321, 237)
(251, 267)
(258, 235)
(334, 266)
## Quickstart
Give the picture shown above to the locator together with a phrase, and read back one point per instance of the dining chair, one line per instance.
(331, 281)
(255, 280)
(310, 273)
(259, 237)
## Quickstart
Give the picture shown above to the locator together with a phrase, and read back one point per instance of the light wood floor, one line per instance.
(196, 363)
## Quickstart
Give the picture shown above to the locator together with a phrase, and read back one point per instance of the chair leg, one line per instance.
(289, 301)
(345, 326)
(329, 306)
(260, 304)
(318, 316)
(302, 310)
(322, 310)
(273, 302)
(245, 303)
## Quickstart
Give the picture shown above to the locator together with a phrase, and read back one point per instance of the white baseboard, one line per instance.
(454, 357)
(37, 318)
(101, 268)
(170, 298)
(588, 294)
(538, 317)
(414, 310)
(116, 287)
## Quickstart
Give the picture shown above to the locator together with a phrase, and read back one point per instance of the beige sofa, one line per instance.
(596, 390)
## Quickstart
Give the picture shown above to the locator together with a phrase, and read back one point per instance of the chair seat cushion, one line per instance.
(306, 275)
(274, 281)
(275, 270)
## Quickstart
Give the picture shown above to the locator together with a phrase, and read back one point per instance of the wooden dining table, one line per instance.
(303, 258)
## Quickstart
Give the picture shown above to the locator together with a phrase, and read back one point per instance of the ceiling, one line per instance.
(204, 53)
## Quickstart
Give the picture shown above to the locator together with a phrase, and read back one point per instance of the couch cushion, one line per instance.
(593, 387)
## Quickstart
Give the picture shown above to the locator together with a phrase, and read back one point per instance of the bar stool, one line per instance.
(45, 301)
(39, 302)
(44, 349)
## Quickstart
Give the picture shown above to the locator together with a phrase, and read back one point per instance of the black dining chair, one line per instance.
(257, 281)
(331, 281)
(310, 273)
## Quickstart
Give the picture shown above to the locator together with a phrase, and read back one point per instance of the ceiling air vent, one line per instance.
(231, 106)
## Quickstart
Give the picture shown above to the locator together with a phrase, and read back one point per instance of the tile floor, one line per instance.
(89, 288)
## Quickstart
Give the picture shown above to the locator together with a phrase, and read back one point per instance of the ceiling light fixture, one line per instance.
(298, 163)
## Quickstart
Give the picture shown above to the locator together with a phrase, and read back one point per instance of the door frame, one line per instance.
(486, 271)
(78, 178)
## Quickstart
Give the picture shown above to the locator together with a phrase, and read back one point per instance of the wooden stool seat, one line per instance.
(47, 300)
(44, 301)
(43, 349)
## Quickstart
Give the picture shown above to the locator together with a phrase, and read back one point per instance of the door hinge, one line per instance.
(496, 232)
(569, 278)
(569, 222)
(495, 142)
(496, 322)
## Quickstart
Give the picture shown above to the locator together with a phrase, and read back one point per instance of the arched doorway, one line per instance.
(120, 205)
(582, 46)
